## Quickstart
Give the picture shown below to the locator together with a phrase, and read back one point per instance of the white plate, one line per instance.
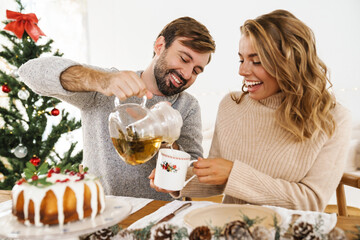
(220, 214)
(116, 210)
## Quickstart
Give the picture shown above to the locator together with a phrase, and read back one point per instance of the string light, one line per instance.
(347, 89)
(40, 112)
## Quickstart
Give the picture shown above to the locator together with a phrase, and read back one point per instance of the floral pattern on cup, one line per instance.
(168, 167)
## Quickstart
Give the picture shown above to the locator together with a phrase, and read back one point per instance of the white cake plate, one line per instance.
(116, 210)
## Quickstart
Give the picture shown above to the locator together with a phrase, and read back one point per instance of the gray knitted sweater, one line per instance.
(42, 75)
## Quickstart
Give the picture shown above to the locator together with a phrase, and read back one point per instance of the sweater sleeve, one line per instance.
(190, 139)
(312, 192)
(42, 75)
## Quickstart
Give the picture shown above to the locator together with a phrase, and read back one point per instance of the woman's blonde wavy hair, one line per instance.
(287, 51)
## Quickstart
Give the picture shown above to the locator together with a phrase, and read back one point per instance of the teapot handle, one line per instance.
(143, 102)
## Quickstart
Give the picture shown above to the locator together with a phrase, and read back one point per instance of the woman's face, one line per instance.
(259, 83)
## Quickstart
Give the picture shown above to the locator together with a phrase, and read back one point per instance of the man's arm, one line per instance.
(123, 84)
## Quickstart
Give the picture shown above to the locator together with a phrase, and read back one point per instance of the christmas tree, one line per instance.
(26, 131)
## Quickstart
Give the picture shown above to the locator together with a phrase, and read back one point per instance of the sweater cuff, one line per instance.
(241, 181)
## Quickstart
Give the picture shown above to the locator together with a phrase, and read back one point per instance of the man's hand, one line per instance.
(213, 170)
(166, 145)
(152, 184)
(123, 84)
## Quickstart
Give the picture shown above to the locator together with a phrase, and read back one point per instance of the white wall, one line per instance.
(121, 34)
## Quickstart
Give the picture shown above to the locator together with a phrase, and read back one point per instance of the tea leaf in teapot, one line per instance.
(131, 133)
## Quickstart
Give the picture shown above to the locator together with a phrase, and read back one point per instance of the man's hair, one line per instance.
(199, 38)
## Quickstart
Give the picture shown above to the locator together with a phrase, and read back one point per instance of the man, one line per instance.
(181, 52)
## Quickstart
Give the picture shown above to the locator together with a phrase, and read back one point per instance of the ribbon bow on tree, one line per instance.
(27, 22)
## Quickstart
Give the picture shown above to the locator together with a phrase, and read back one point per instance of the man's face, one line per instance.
(177, 68)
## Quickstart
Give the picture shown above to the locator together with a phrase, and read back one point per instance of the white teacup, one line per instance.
(171, 168)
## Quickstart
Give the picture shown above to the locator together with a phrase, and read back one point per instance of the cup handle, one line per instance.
(192, 177)
(187, 181)
(192, 161)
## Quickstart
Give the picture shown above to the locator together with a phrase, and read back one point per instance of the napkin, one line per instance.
(165, 210)
(325, 221)
(136, 203)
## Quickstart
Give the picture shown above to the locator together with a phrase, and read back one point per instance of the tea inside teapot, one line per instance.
(137, 132)
(136, 151)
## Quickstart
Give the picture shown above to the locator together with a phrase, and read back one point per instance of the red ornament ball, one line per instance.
(55, 112)
(35, 161)
(5, 88)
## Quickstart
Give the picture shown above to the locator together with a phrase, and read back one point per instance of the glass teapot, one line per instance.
(137, 132)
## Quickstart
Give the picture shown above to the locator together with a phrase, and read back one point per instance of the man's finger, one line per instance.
(152, 174)
(120, 95)
(149, 94)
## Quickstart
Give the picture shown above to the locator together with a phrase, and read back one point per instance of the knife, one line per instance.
(171, 215)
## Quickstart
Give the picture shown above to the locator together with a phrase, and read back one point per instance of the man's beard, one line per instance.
(161, 73)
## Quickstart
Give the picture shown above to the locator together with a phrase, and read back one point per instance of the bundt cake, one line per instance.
(56, 196)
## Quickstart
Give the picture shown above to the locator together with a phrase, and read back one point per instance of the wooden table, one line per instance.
(346, 223)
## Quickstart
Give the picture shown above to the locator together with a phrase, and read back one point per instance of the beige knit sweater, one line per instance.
(270, 167)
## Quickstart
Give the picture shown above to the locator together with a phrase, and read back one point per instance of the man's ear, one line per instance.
(159, 45)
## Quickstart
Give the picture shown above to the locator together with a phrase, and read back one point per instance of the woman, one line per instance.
(283, 140)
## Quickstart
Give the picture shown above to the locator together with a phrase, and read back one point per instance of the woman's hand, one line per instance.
(213, 170)
(152, 177)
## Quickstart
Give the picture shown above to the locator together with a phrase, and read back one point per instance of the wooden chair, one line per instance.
(216, 199)
(350, 179)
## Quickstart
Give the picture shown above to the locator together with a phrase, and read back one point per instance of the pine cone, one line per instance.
(337, 234)
(163, 233)
(103, 234)
(237, 230)
(304, 231)
(125, 235)
(261, 233)
(200, 233)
